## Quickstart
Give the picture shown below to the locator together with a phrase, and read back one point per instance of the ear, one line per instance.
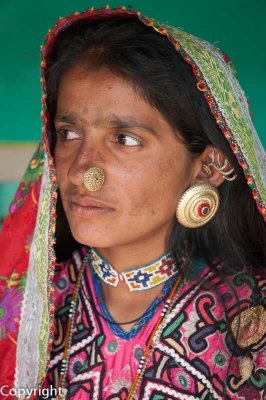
(206, 173)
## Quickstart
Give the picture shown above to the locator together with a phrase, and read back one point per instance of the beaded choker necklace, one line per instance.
(138, 279)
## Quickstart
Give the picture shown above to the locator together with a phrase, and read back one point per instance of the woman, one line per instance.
(141, 275)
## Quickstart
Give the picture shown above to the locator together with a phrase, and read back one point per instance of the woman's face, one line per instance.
(102, 122)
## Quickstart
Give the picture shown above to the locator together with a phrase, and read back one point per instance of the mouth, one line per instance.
(86, 206)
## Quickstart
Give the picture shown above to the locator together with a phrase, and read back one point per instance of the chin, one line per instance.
(96, 231)
(93, 237)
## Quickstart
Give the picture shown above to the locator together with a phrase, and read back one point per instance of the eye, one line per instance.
(127, 140)
(67, 134)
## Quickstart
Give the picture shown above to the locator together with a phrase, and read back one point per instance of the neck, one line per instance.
(127, 257)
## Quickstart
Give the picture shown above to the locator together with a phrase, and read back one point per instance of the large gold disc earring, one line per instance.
(93, 179)
(198, 205)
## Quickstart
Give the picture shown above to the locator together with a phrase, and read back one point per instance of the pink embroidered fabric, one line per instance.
(204, 351)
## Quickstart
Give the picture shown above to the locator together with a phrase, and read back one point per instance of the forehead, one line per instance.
(103, 97)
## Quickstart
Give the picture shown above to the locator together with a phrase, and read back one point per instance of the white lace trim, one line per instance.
(177, 395)
(27, 356)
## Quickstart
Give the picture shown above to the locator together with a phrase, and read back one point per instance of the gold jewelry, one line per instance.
(93, 179)
(216, 163)
(198, 205)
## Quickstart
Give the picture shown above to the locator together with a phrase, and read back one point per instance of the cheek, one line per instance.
(154, 188)
(62, 181)
(58, 162)
(62, 164)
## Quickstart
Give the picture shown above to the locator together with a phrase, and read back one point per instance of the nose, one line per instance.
(85, 158)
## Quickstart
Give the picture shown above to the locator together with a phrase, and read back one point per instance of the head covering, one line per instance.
(27, 237)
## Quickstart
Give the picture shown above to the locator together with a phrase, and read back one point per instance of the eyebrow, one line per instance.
(68, 118)
(111, 121)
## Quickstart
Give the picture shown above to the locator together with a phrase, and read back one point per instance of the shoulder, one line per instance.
(227, 294)
(217, 330)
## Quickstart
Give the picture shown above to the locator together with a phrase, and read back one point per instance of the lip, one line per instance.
(87, 206)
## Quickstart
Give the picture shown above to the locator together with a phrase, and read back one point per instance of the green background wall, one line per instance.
(236, 26)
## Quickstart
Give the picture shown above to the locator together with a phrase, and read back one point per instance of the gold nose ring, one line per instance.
(93, 179)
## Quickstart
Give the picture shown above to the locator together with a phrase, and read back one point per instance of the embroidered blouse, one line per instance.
(212, 347)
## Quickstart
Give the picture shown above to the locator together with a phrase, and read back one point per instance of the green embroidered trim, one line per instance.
(42, 258)
(46, 264)
(225, 95)
(51, 262)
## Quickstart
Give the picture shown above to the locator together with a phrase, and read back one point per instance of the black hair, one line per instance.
(149, 61)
